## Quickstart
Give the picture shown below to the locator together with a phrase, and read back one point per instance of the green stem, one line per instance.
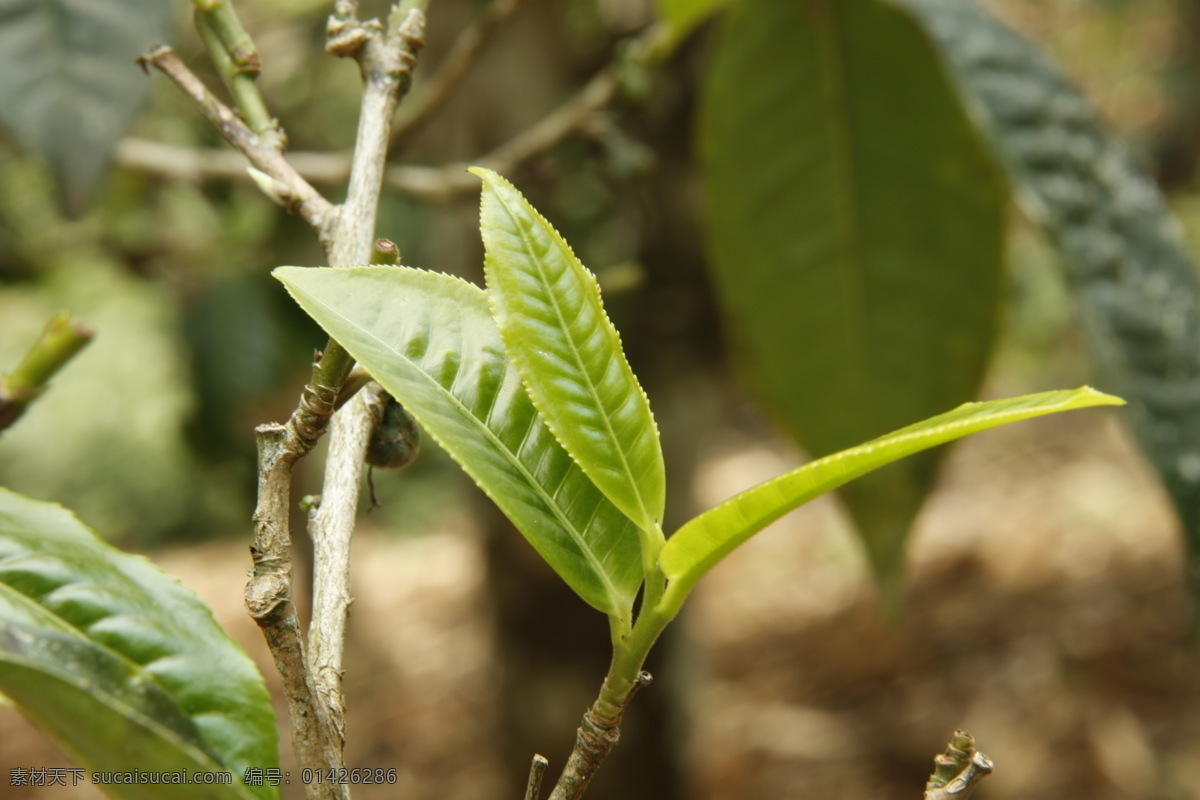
(656, 582)
(333, 367)
(600, 729)
(62, 338)
(385, 251)
(236, 58)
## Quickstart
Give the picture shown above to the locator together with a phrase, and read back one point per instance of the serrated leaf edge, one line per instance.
(907, 433)
(649, 519)
(612, 591)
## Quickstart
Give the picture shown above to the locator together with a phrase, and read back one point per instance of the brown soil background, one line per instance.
(1046, 614)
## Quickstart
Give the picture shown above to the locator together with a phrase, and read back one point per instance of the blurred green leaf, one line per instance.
(233, 364)
(857, 233)
(69, 86)
(1135, 284)
(430, 340)
(109, 433)
(99, 646)
(552, 320)
(681, 16)
(701, 543)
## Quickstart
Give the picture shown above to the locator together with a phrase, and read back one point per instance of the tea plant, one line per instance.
(525, 383)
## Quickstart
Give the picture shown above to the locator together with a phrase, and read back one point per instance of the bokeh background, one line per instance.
(1045, 612)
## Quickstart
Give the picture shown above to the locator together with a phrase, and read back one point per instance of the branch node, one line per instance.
(957, 771)
(265, 595)
(311, 417)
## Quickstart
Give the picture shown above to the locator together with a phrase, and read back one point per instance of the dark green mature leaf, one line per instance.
(708, 538)
(1136, 286)
(69, 87)
(107, 712)
(857, 229)
(101, 647)
(548, 309)
(429, 339)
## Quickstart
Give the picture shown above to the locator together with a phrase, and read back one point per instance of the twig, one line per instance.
(436, 184)
(958, 771)
(269, 591)
(287, 186)
(331, 525)
(268, 594)
(597, 735)
(387, 61)
(62, 338)
(456, 65)
(197, 165)
(565, 120)
(387, 57)
(236, 58)
(537, 770)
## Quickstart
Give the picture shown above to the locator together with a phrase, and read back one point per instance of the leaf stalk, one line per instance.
(600, 731)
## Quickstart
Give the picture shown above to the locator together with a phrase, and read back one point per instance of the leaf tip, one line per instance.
(483, 173)
(1100, 398)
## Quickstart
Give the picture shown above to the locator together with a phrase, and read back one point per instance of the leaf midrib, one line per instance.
(888, 443)
(848, 218)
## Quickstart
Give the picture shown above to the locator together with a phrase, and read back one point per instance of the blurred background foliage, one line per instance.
(148, 435)
(228, 350)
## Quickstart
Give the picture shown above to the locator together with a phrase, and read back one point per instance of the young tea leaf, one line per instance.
(429, 339)
(708, 538)
(100, 647)
(548, 309)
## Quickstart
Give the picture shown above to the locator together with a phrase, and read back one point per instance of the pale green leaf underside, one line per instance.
(429, 339)
(708, 538)
(551, 318)
(101, 646)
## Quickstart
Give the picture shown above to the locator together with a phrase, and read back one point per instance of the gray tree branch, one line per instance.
(331, 524)
(387, 55)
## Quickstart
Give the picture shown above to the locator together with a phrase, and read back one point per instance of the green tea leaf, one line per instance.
(857, 227)
(1136, 285)
(99, 646)
(71, 87)
(708, 538)
(548, 309)
(429, 339)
